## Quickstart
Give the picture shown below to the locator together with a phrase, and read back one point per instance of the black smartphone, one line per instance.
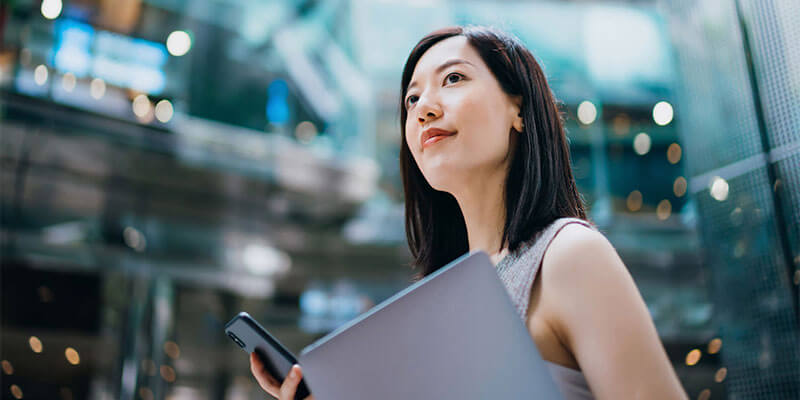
(252, 337)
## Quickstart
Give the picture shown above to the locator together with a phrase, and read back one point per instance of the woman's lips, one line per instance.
(434, 135)
(434, 139)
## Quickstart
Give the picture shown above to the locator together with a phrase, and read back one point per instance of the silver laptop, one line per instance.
(453, 335)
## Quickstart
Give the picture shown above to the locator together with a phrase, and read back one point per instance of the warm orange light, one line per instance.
(16, 392)
(8, 369)
(634, 201)
(693, 357)
(704, 395)
(36, 344)
(679, 187)
(674, 153)
(720, 375)
(72, 356)
(172, 349)
(168, 373)
(714, 345)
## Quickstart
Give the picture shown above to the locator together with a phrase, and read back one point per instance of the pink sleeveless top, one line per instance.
(518, 270)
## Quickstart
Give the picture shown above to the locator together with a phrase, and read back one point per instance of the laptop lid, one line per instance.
(453, 335)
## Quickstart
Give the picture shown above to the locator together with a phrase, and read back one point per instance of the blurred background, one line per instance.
(165, 164)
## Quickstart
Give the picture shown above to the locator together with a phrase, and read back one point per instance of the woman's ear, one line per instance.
(518, 123)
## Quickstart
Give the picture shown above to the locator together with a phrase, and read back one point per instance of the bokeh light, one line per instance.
(68, 81)
(141, 105)
(97, 89)
(51, 9)
(179, 43)
(168, 373)
(720, 375)
(662, 113)
(664, 210)
(705, 394)
(305, 132)
(40, 75)
(634, 201)
(719, 189)
(36, 344)
(679, 186)
(8, 369)
(641, 143)
(693, 357)
(134, 238)
(587, 112)
(72, 356)
(714, 345)
(16, 391)
(172, 349)
(164, 111)
(674, 153)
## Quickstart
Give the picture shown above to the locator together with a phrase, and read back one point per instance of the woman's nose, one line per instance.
(427, 112)
(428, 117)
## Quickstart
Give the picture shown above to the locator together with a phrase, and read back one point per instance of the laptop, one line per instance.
(453, 335)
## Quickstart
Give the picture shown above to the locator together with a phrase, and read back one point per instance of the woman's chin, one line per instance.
(444, 182)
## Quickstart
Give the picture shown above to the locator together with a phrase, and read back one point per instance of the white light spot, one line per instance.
(662, 113)
(141, 106)
(134, 239)
(179, 43)
(587, 112)
(719, 189)
(164, 111)
(305, 132)
(641, 143)
(40, 75)
(97, 88)
(51, 9)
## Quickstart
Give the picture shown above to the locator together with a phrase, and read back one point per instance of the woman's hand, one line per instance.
(280, 391)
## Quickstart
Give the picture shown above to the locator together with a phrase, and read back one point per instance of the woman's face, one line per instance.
(454, 91)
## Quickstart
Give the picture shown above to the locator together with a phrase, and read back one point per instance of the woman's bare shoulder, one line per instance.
(599, 314)
(576, 260)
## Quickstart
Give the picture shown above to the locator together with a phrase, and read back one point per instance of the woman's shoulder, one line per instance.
(576, 245)
(582, 270)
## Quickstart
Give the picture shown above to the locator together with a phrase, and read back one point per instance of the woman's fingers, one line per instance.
(289, 386)
(265, 380)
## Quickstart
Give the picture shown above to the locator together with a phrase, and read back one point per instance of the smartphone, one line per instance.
(252, 337)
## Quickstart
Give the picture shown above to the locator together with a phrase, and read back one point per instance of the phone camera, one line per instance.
(236, 339)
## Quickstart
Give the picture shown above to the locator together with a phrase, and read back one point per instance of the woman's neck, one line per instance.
(483, 208)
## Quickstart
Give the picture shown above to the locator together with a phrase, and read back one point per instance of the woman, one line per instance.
(485, 166)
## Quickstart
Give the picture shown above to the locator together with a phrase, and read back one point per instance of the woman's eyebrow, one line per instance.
(444, 65)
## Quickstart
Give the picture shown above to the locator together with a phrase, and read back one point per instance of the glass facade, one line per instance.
(740, 107)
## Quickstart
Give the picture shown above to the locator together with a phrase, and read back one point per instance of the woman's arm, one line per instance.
(601, 318)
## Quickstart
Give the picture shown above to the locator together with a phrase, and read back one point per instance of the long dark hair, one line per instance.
(540, 187)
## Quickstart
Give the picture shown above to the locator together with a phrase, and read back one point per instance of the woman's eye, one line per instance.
(453, 77)
(411, 100)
